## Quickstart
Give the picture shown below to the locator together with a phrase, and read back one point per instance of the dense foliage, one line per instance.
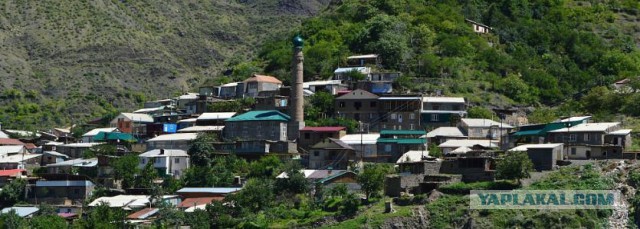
(538, 51)
(515, 165)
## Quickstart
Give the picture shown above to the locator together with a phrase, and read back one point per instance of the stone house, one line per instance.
(171, 162)
(399, 113)
(359, 105)
(592, 140)
(331, 154)
(257, 125)
(442, 111)
(259, 83)
(393, 143)
(311, 135)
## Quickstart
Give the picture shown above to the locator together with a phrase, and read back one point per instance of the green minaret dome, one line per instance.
(297, 41)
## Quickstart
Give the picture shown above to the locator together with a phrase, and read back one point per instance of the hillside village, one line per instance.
(429, 141)
(429, 138)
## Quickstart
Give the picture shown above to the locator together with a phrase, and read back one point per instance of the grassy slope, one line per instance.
(86, 57)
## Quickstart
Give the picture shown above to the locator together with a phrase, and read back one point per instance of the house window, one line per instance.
(573, 151)
(176, 160)
(316, 153)
(143, 161)
(357, 105)
(373, 104)
(411, 126)
(572, 137)
(412, 116)
(76, 191)
(586, 137)
(356, 116)
(435, 118)
(176, 172)
(307, 135)
(341, 104)
(393, 116)
(435, 106)
(387, 148)
(455, 107)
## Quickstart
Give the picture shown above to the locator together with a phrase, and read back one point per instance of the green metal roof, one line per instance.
(407, 141)
(271, 115)
(322, 181)
(402, 132)
(113, 136)
(527, 133)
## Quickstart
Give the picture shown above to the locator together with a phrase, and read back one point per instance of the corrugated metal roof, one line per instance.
(195, 129)
(481, 122)
(144, 213)
(467, 143)
(208, 190)
(363, 56)
(175, 137)
(216, 116)
(80, 162)
(10, 141)
(64, 183)
(323, 128)
(364, 70)
(402, 140)
(263, 78)
(588, 127)
(21, 211)
(445, 132)
(413, 155)
(443, 99)
(105, 136)
(526, 147)
(269, 115)
(96, 131)
(143, 118)
(11, 149)
(357, 139)
(402, 132)
(11, 172)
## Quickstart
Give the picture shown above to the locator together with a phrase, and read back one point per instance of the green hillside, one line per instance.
(540, 52)
(89, 58)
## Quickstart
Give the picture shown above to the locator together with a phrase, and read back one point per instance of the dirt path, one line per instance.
(620, 216)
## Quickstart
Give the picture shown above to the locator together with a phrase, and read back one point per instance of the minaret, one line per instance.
(296, 105)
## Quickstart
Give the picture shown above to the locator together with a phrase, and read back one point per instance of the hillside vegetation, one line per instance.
(66, 60)
(539, 52)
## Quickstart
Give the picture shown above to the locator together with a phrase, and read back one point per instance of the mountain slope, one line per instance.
(87, 58)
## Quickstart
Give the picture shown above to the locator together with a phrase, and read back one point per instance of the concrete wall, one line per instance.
(252, 130)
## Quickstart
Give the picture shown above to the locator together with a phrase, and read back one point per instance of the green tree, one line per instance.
(13, 192)
(147, 176)
(47, 221)
(295, 182)
(515, 165)
(12, 220)
(371, 179)
(480, 112)
(266, 167)
(434, 150)
(201, 150)
(103, 217)
(542, 115)
(125, 169)
(256, 195)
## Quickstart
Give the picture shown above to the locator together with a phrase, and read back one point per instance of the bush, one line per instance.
(463, 188)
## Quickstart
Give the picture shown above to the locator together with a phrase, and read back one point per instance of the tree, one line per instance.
(103, 216)
(371, 179)
(480, 112)
(201, 150)
(12, 220)
(13, 192)
(147, 176)
(515, 165)
(542, 115)
(256, 195)
(47, 221)
(295, 182)
(125, 168)
(266, 167)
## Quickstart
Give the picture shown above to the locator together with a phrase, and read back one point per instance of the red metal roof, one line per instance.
(30, 146)
(323, 128)
(143, 214)
(11, 172)
(190, 202)
(10, 141)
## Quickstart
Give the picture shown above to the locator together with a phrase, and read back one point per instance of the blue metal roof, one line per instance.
(209, 190)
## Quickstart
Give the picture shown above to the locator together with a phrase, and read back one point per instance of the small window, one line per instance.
(143, 161)
(356, 116)
(435, 106)
(307, 135)
(176, 160)
(387, 148)
(573, 151)
(76, 191)
(411, 126)
(572, 137)
(435, 117)
(412, 116)
(357, 105)
(393, 116)
(373, 104)
(586, 137)
(341, 104)
(316, 153)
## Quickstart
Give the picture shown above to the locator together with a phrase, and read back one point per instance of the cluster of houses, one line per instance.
(405, 129)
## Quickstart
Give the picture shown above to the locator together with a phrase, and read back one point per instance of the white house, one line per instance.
(360, 142)
(479, 128)
(167, 161)
(172, 141)
(451, 145)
